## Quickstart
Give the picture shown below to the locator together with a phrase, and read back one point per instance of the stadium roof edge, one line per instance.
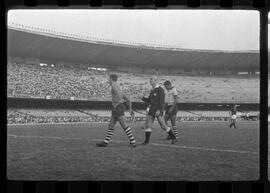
(138, 46)
(47, 46)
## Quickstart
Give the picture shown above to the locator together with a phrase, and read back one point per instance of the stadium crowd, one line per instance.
(77, 82)
(55, 82)
(19, 116)
(15, 117)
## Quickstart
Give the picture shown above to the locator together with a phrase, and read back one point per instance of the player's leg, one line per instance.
(234, 121)
(166, 128)
(148, 128)
(127, 129)
(166, 119)
(174, 128)
(231, 122)
(145, 123)
(110, 132)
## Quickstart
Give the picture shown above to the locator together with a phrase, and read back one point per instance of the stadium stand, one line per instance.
(77, 82)
(52, 112)
(22, 116)
(15, 116)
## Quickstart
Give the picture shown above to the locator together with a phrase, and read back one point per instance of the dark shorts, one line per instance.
(119, 110)
(174, 111)
(152, 112)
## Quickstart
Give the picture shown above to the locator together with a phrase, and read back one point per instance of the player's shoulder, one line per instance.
(113, 84)
(116, 87)
(174, 90)
(160, 89)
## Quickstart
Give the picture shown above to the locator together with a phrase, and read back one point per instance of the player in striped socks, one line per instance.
(171, 100)
(118, 110)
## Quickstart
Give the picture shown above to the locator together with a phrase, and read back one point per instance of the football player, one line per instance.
(171, 100)
(233, 115)
(118, 110)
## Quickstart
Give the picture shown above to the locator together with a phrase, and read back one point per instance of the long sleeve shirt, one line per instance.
(118, 96)
(156, 98)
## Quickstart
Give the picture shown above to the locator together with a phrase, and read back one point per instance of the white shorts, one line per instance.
(233, 117)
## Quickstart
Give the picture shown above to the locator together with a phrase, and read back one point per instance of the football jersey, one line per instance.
(169, 95)
(156, 98)
(117, 95)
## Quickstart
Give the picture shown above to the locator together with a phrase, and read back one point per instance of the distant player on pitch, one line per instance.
(118, 111)
(171, 100)
(156, 101)
(233, 115)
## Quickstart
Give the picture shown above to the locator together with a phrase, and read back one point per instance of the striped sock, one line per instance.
(130, 135)
(110, 132)
(175, 131)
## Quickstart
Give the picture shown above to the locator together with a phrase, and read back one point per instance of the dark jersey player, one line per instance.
(156, 101)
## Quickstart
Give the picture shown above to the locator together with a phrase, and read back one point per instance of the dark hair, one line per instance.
(113, 77)
(167, 82)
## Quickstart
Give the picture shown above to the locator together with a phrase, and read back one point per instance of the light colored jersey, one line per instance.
(233, 116)
(169, 95)
(117, 94)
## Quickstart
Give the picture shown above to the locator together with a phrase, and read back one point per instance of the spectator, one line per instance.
(81, 82)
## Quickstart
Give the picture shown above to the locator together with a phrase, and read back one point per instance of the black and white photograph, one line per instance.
(268, 97)
(133, 95)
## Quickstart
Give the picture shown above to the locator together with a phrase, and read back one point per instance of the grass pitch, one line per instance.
(205, 151)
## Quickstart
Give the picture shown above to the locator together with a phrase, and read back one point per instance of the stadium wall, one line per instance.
(129, 69)
(21, 60)
(106, 105)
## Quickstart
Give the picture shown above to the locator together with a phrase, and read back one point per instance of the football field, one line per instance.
(205, 151)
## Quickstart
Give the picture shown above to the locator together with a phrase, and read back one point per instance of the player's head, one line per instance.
(153, 81)
(167, 84)
(113, 78)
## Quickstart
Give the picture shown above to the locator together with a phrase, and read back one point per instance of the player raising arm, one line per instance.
(233, 115)
(118, 113)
